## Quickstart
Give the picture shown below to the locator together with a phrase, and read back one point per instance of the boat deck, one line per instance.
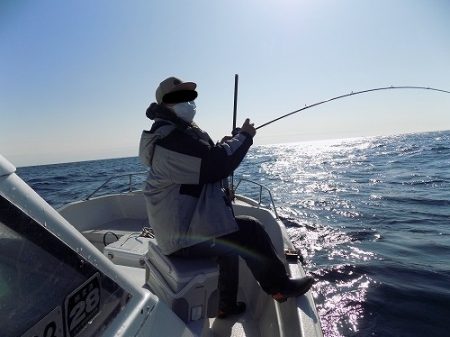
(235, 326)
(241, 326)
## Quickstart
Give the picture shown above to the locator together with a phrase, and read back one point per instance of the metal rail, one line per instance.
(261, 188)
(130, 182)
(130, 188)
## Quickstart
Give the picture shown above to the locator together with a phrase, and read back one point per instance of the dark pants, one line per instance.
(253, 244)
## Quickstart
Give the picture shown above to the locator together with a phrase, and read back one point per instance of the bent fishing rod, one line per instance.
(353, 93)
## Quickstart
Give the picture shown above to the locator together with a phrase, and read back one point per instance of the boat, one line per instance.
(93, 268)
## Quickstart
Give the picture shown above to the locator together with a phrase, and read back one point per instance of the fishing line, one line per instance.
(351, 94)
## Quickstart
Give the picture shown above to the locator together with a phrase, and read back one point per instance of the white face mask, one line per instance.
(186, 110)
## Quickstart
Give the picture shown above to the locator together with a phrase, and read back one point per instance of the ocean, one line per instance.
(371, 217)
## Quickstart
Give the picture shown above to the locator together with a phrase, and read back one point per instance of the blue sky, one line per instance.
(77, 76)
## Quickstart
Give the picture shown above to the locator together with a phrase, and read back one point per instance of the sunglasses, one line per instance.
(180, 96)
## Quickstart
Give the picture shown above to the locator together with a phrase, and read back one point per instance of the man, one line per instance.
(190, 212)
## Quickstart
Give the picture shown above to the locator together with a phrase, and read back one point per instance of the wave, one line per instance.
(418, 200)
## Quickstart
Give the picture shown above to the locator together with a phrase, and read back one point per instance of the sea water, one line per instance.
(371, 217)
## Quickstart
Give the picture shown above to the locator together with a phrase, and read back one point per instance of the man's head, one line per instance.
(173, 90)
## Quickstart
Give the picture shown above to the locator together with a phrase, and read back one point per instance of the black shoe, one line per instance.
(237, 309)
(293, 288)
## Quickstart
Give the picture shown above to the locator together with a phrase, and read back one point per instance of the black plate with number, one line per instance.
(82, 305)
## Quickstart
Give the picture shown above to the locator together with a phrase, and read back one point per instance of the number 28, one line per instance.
(84, 308)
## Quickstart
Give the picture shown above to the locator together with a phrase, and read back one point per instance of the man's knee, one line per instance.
(248, 224)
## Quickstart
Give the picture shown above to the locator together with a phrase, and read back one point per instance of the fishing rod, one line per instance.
(236, 82)
(351, 94)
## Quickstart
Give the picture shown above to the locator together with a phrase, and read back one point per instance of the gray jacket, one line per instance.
(185, 202)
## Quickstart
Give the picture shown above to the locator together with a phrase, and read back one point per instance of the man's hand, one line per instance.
(248, 128)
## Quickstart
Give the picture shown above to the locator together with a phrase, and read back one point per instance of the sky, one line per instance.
(76, 76)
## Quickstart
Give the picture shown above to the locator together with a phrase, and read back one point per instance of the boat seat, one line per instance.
(188, 286)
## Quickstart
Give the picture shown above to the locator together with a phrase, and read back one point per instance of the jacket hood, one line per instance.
(159, 130)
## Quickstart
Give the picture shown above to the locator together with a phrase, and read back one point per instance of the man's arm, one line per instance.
(195, 161)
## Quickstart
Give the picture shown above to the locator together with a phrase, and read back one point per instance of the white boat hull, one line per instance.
(122, 214)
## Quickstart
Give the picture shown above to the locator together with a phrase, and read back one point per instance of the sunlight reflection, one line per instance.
(323, 186)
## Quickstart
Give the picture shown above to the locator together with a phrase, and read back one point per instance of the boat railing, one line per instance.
(130, 185)
(262, 188)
